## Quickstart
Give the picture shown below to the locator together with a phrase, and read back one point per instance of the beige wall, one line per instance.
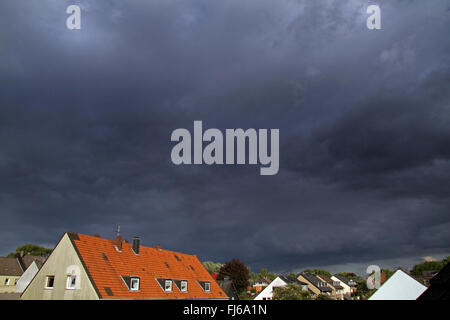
(63, 256)
(8, 288)
(333, 292)
(310, 285)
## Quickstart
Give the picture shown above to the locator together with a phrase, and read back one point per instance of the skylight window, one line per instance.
(183, 286)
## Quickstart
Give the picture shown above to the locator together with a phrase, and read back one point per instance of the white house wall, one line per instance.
(267, 293)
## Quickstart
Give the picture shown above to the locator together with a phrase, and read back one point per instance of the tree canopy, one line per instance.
(318, 272)
(262, 275)
(212, 266)
(429, 266)
(238, 272)
(291, 291)
(32, 249)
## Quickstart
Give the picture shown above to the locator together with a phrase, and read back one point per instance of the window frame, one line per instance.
(185, 284)
(207, 286)
(7, 281)
(138, 284)
(69, 282)
(165, 285)
(47, 278)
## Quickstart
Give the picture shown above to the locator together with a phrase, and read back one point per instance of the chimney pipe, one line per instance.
(136, 243)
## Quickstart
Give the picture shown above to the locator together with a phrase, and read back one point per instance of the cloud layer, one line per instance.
(364, 119)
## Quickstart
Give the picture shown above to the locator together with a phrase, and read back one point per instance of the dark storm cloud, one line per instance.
(86, 118)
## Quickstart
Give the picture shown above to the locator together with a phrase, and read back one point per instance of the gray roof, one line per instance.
(10, 267)
(288, 280)
(345, 280)
(316, 282)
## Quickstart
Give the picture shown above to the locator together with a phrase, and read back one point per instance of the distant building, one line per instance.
(400, 286)
(83, 267)
(337, 289)
(10, 272)
(316, 285)
(260, 285)
(280, 281)
(348, 285)
(13, 269)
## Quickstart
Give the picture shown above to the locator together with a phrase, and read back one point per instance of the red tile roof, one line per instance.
(106, 266)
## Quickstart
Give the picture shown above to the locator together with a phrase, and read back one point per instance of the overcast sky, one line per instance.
(364, 117)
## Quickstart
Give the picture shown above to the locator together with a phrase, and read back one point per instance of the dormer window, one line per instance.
(206, 285)
(132, 283)
(183, 287)
(168, 285)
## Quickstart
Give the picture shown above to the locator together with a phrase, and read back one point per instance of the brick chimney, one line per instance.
(119, 242)
(136, 245)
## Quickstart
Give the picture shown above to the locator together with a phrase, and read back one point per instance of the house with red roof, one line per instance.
(83, 267)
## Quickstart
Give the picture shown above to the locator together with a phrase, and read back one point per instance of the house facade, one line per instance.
(10, 272)
(280, 281)
(83, 267)
(316, 285)
(348, 285)
(337, 289)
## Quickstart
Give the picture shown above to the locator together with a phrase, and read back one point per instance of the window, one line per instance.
(206, 285)
(183, 286)
(134, 284)
(7, 282)
(168, 285)
(49, 282)
(71, 282)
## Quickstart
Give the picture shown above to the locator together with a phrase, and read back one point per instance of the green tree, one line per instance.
(291, 291)
(348, 275)
(363, 291)
(323, 297)
(31, 249)
(238, 272)
(318, 272)
(387, 272)
(429, 266)
(212, 266)
(263, 274)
